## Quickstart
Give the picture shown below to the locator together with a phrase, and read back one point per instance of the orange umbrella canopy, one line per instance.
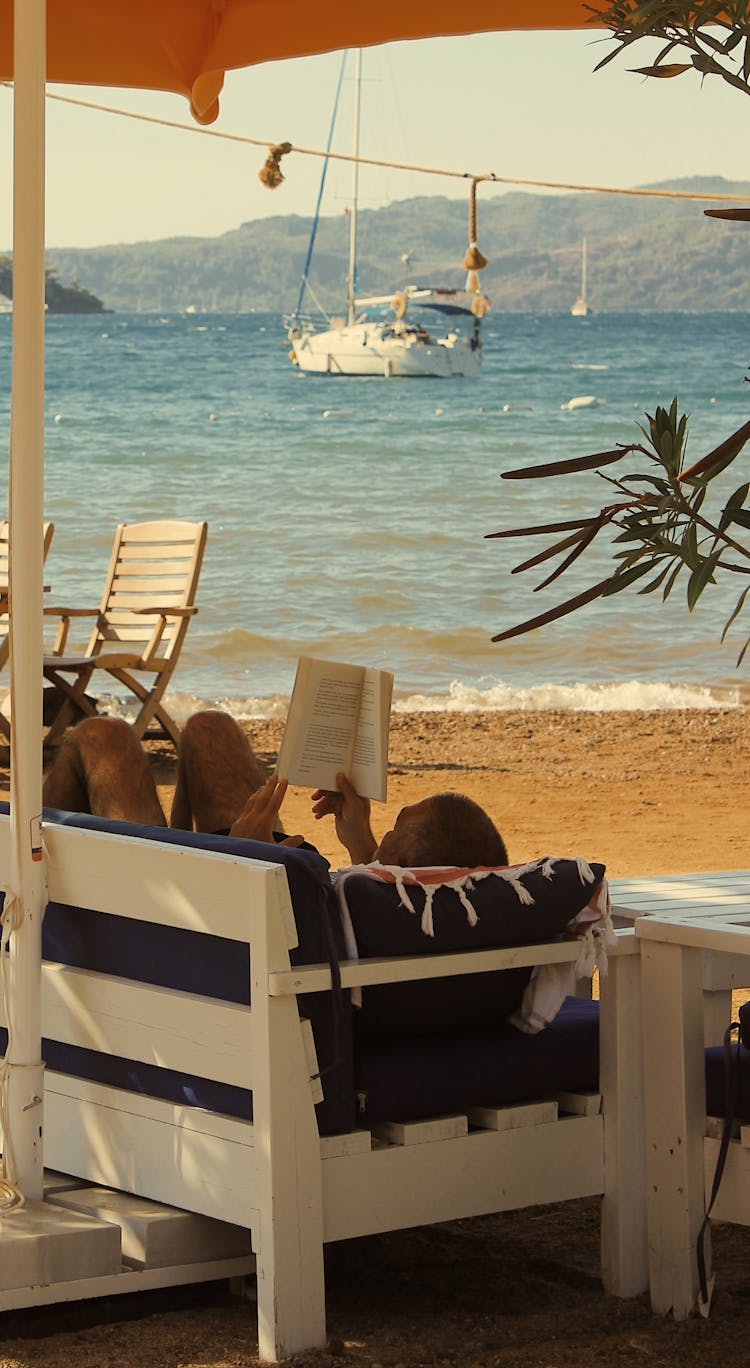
(186, 45)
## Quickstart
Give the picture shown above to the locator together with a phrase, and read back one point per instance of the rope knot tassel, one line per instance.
(474, 260)
(270, 172)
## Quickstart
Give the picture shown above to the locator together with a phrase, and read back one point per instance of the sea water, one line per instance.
(348, 517)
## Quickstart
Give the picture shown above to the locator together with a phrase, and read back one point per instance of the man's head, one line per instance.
(446, 829)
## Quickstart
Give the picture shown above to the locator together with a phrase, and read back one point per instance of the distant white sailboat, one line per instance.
(414, 331)
(581, 307)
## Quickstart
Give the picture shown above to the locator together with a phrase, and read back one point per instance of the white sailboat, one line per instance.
(581, 307)
(416, 331)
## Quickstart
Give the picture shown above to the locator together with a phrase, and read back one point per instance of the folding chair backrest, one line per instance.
(154, 565)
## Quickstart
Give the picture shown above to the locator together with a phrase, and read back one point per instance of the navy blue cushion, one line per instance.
(716, 1099)
(384, 927)
(410, 1079)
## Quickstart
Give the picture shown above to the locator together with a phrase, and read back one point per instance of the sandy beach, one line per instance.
(644, 792)
(650, 792)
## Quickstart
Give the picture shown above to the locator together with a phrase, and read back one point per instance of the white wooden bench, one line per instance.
(274, 1175)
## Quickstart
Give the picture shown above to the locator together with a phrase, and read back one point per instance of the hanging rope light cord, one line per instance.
(393, 165)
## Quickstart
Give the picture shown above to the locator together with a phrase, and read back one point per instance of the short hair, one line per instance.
(456, 831)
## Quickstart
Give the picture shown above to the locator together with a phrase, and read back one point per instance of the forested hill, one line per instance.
(643, 254)
(58, 298)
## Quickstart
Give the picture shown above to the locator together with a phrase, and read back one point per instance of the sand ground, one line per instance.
(644, 793)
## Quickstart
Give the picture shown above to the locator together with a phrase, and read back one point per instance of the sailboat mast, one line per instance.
(355, 187)
(583, 271)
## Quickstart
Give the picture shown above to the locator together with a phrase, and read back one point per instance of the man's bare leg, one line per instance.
(102, 768)
(218, 771)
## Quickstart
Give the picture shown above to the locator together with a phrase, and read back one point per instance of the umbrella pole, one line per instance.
(26, 504)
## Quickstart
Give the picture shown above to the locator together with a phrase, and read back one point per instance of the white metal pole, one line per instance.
(26, 505)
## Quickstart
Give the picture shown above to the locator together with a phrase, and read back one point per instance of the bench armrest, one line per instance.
(316, 978)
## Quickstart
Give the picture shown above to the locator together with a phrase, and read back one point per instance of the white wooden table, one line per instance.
(720, 895)
(694, 934)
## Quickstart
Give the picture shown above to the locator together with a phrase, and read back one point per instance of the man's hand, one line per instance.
(352, 817)
(260, 816)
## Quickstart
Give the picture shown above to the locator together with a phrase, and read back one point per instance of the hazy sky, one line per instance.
(525, 105)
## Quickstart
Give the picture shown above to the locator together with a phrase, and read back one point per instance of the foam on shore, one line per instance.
(621, 696)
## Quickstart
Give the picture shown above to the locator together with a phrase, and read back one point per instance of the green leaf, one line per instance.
(623, 580)
(737, 610)
(700, 577)
(741, 655)
(735, 500)
(689, 547)
(654, 583)
(599, 458)
(540, 528)
(584, 540)
(554, 550)
(741, 516)
(669, 586)
(654, 480)
(552, 614)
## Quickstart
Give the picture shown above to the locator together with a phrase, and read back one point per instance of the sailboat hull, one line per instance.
(383, 350)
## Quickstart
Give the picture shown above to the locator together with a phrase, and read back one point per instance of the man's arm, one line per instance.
(352, 818)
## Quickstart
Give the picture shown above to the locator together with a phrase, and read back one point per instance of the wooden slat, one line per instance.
(429, 1132)
(733, 1199)
(153, 881)
(163, 564)
(513, 1117)
(316, 978)
(153, 1234)
(194, 1160)
(401, 1186)
(702, 933)
(166, 531)
(159, 1026)
(128, 1280)
(140, 1107)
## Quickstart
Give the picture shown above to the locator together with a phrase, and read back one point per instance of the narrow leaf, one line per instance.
(664, 72)
(700, 578)
(552, 614)
(541, 527)
(689, 547)
(654, 583)
(578, 550)
(738, 215)
(621, 581)
(726, 451)
(741, 655)
(669, 586)
(736, 611)
(540, 556)
(567, 467)
(741, 516)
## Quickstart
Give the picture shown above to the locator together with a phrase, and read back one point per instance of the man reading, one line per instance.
(223, 787)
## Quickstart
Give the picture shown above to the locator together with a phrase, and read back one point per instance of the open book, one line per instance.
(338, 721)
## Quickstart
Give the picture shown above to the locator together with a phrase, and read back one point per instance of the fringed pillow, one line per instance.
(388, 912)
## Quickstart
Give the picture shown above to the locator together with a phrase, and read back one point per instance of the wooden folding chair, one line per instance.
(139, 628)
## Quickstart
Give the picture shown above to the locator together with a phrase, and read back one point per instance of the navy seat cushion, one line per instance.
(209, 965)
(716, 1086)
(419, 1077)
(384, 927)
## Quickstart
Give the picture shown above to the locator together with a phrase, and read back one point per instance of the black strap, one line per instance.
(337, 1000)
(731, 1096)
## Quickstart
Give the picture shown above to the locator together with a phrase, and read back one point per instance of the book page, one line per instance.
(322, 723)
(369, 772)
